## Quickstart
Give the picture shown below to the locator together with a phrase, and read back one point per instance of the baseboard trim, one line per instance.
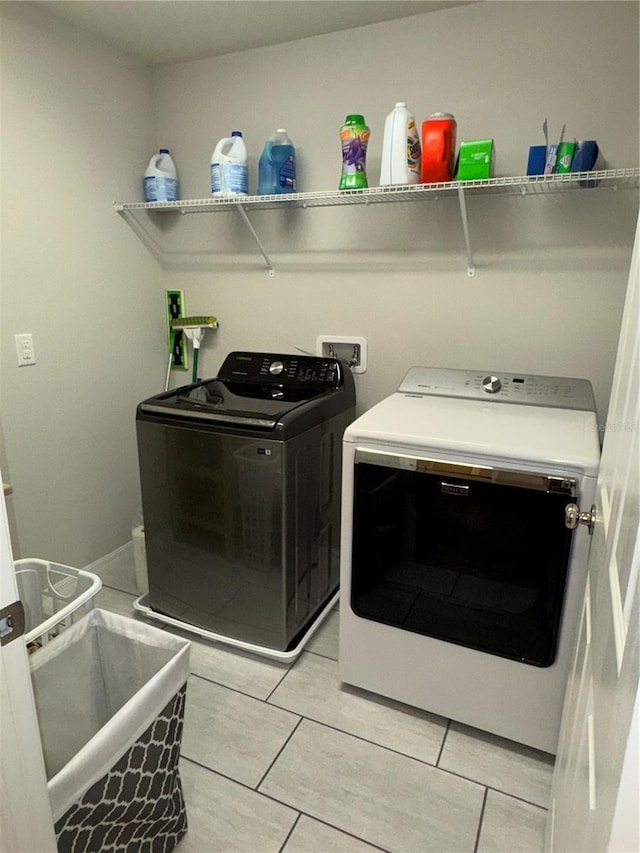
(102, 564)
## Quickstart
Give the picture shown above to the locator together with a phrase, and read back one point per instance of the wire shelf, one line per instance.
(614, 179)
(611, 179)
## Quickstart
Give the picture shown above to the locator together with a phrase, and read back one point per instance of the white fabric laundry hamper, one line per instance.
(110, 695)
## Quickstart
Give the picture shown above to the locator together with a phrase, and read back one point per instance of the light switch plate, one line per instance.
(25, 350)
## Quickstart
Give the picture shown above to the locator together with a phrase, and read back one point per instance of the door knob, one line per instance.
(573, 517)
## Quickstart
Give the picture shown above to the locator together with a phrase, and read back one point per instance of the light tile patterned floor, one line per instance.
(281, 758)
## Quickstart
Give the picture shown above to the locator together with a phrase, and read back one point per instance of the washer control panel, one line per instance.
(285, 370)
(521, 388)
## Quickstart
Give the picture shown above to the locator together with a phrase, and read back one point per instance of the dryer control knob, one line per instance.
(491, 384)
(276, 368)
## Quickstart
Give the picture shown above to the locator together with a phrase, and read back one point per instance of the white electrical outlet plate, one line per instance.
(25, 350)
(349, 348)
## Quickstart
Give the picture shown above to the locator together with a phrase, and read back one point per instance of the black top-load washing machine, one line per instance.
(240, 478)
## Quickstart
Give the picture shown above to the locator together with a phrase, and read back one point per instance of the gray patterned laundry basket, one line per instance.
(110, 695)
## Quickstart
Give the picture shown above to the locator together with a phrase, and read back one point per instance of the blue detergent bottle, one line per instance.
(277, 165)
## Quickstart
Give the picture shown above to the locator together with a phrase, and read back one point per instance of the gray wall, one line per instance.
(551, 271)
(79, 123)
(76, 131)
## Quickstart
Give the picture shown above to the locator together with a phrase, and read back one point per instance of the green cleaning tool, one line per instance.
(177, 340)
(194, 328)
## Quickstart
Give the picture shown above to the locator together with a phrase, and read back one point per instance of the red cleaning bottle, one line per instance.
(438, 148)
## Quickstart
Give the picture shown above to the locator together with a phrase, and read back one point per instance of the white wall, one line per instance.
(551, 271)
(76, 132)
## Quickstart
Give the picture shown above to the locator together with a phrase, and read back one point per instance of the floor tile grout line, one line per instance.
(516, 797)
(347, 832)
(232, 779)
(342, 731)
(239, 692)
(265, 795)
(256, 789)
(358, 737)
(324, 822)
(273, 690)
(411, 758)
(406, 755)
(268, 701)
(291, 831)
(279, 753)
(482, 810)
(444, 740)
(326, 656)
(117, 589)
(364, 740)
(493, 788)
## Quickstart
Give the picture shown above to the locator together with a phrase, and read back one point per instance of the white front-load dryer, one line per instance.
(462, 570)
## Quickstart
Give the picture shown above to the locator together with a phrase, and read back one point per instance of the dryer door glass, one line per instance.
(468, 555)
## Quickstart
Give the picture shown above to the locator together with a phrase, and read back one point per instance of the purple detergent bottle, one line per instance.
(354, 137)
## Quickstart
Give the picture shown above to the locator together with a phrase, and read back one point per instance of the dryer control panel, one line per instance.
(500, 387)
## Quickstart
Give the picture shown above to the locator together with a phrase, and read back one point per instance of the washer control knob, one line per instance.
(276, 368)
(491, 384)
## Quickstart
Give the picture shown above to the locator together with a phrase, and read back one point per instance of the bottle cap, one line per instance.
(401, 103)
(164, 150)
(280, 130)
(236, 133)
(354, 119)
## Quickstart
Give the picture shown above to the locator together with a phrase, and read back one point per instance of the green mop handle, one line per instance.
(196, 351)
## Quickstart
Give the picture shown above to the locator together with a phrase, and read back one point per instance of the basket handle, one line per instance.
(54, 589)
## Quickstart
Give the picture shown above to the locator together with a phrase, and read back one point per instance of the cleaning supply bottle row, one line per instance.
(229, 171)
(276, 168)
(413, 157)
(409, 156)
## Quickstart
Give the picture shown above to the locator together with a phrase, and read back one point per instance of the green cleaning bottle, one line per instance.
(354, 137)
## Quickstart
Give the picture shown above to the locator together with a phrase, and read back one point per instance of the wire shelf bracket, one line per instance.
(471, 270)
(247, 221)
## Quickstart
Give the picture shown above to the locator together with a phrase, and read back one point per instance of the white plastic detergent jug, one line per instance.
(161, 178)
(400, 148)
(229, 174)
(277, 165)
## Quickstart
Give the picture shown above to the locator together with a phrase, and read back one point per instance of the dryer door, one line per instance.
(468, 554)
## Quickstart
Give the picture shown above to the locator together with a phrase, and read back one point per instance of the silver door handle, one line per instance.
(573, 517)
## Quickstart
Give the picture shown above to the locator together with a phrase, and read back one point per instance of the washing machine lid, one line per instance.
(253, 391)
(477, 427)
(232, 403)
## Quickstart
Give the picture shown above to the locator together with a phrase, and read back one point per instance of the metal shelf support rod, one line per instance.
(243, 214)
(471, 271)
